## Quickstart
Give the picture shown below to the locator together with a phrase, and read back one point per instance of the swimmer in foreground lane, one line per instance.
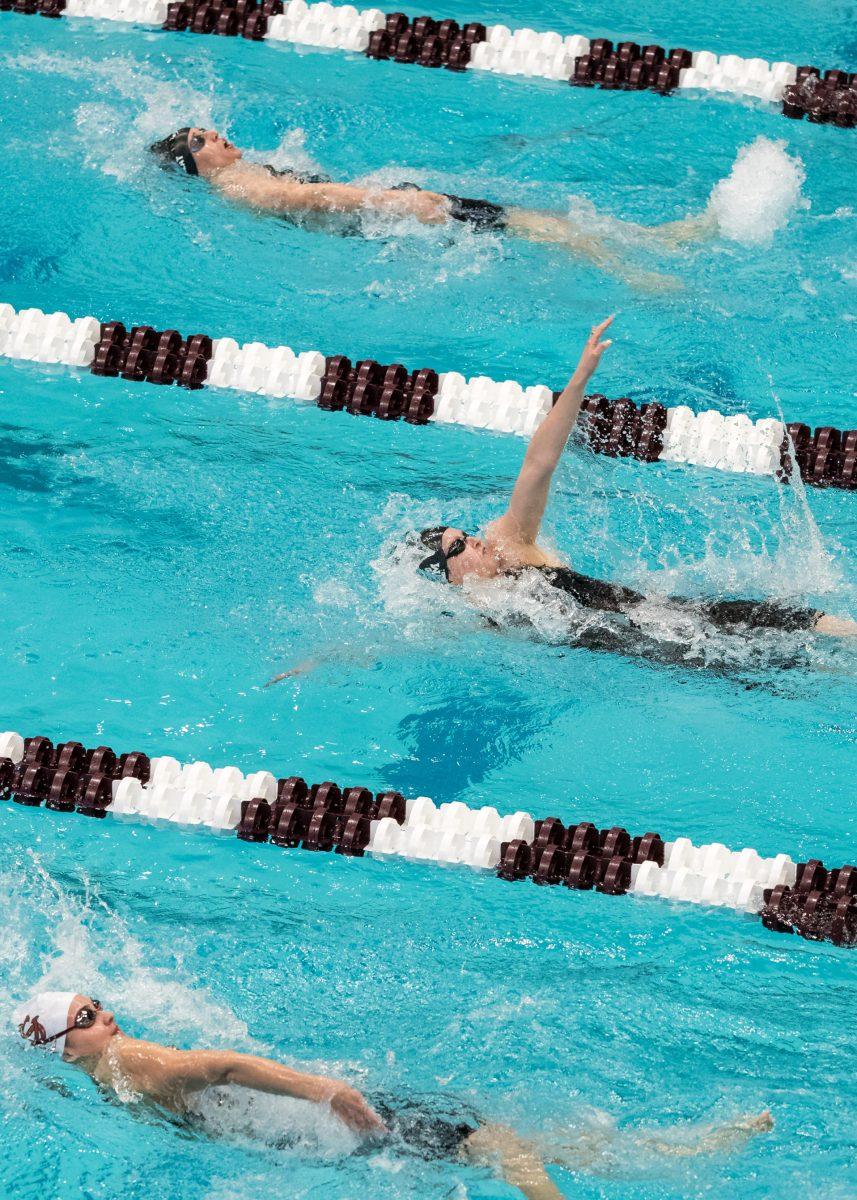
(78, 1029)
(510, 548)
(312, 199)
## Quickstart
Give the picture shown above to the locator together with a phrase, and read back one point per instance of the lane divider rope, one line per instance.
(824, 457)
(803, 90)
(807, 898)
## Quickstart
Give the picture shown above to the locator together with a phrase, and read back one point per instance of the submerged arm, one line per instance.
(523, 517)
(281, 195)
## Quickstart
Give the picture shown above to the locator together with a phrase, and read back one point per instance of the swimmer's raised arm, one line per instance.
(169, 1075)
(521, 521)
(282, 195)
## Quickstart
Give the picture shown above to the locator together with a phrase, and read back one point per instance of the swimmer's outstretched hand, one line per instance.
(347, 1104)
(592, 351)
(301, 668)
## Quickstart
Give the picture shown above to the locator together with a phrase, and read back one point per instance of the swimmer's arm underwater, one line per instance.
(521, 522)
(167, 1075)
(284, 196)
(360, 656)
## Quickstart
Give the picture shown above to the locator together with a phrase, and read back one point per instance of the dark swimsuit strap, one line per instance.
(297, 176)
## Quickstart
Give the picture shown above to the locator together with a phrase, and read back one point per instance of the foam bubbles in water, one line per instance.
(759, 194)
(736, 561)
(65, 936)
(137, 107)
(90, 947)
(290, 155)
(278, 1121)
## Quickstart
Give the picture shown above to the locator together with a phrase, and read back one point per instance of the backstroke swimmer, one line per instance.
(315, 200)
(78, 1029)
(510, 550)
(510, 547)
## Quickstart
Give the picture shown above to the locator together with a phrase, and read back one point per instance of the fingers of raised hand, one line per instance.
(597, 330)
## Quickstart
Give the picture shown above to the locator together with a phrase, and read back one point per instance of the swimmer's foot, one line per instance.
(716, 1139)
(701, 227)
(836, 626)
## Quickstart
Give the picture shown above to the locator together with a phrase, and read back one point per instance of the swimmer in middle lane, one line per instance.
(510, 548)
(314, 200)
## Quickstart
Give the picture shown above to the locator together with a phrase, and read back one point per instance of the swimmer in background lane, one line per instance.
(510, 546)
(78, 1029)
(204, 153)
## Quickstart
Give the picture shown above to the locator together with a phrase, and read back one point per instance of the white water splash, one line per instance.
(61, 937)
(136, 106)
(760, 193)
(753, 202)
(72, 942)
(785, 565)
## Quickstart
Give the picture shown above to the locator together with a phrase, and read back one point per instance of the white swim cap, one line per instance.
(44, 1016)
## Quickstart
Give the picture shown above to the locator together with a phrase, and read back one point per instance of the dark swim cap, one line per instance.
(436, 563)
(175, 150)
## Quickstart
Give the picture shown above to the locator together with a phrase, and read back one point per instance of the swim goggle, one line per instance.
(85, 1019)
(195, 142)
(439, 560)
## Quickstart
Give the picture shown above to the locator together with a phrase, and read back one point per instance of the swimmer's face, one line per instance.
(214, 154)
(88, 1043)
(476, 558)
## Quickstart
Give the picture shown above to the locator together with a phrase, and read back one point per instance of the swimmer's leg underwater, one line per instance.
(521, 1164)
(594, 1150)
(549, 229)
(516, 1159)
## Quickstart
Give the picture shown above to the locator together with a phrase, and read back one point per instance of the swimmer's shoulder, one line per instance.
(134, 1055)
(516, 553)
(252, 181)
(141, 1070)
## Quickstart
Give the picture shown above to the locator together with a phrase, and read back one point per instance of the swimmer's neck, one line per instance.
(92, 1064)
(232, 170)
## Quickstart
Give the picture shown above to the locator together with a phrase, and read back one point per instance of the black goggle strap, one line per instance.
(438, 560)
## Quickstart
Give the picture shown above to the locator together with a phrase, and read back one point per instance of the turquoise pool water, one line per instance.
(164, 553)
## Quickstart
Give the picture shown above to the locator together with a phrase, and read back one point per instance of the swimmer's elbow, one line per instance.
(539, 466)
(230, 1067)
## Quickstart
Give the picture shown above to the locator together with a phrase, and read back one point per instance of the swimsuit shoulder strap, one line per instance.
(297, 176)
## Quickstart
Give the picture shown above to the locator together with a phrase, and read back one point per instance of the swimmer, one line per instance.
(510, 546)
(310, 198)
(81, 1031)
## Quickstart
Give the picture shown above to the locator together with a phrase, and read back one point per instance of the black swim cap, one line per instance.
(174, 150)
(436, 563)
(431, 538)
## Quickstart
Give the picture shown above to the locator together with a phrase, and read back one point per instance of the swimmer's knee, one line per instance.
(491, 1140)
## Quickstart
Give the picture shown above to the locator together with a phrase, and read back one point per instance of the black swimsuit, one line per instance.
(480, 214)
(725, 614)
(427, 1133)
